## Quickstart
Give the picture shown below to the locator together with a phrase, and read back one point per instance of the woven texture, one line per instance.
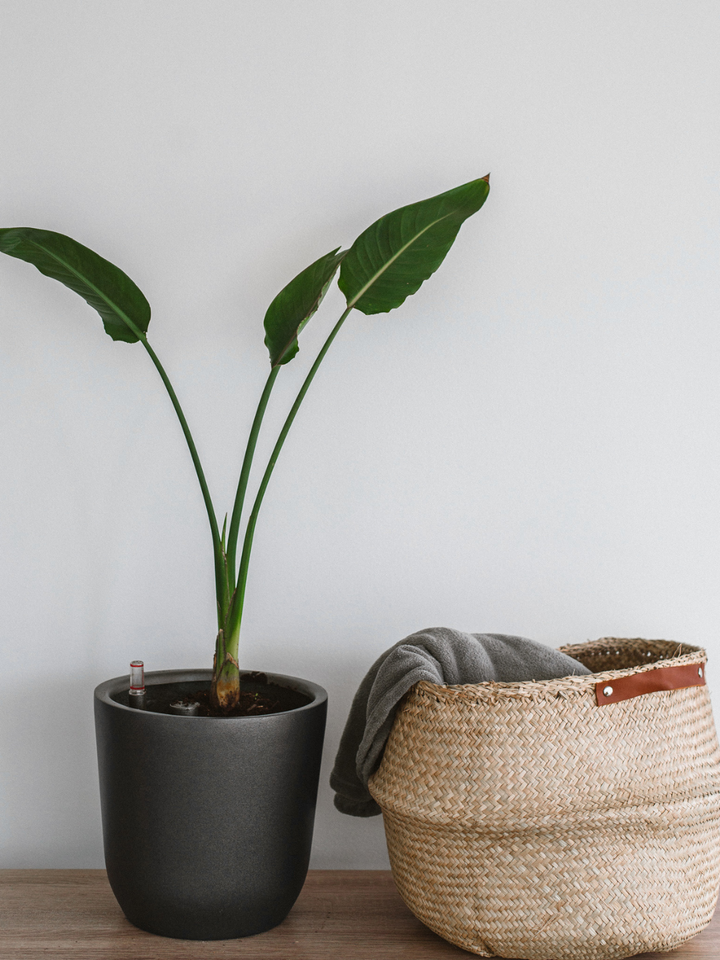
(524, 821)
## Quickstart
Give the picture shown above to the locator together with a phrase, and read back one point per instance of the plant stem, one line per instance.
(244, 475)
(221, 583)
(236, 609)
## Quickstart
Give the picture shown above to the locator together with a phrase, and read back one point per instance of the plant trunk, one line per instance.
(225, 685)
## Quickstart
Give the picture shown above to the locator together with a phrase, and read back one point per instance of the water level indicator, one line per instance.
(137, 678)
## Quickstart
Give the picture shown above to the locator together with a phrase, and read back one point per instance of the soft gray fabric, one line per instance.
(439, 655)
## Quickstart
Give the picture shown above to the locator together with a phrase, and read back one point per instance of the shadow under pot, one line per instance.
(207, 821)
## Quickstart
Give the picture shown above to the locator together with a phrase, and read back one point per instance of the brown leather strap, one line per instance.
(664, 678)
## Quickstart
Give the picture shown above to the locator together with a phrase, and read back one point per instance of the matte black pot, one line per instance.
(207, 822)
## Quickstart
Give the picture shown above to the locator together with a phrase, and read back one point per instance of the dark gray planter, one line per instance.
(207, 822)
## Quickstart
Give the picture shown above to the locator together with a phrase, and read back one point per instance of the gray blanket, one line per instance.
(439, 655)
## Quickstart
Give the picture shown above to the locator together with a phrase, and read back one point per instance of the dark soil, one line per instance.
(257, 697)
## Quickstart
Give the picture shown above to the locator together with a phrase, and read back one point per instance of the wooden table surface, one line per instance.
(341, 914)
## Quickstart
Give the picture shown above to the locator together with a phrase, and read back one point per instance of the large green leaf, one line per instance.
(295, 304)
(104, 286)
(389, 261)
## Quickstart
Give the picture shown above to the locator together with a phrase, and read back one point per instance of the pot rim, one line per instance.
(103, 693)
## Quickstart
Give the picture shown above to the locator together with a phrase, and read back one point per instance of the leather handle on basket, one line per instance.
(650, 681)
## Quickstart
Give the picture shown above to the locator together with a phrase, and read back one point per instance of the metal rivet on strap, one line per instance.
(607, 691)
(699, 671)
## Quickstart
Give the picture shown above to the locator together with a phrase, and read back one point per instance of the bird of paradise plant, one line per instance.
(386, 264)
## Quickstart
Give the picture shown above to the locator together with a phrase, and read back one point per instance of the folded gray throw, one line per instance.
(439, 655)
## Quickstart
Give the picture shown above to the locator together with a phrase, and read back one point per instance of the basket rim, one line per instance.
(572, 685)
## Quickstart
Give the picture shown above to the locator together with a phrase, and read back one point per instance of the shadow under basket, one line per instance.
(553, 820)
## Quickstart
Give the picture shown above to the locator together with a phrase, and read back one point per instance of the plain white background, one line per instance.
(529, 445)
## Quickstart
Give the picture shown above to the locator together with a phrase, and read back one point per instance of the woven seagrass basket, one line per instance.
(572, 819)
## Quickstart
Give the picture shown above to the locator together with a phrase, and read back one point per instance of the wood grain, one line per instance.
(341, 914)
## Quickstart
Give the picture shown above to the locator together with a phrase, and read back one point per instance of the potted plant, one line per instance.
(209, 778)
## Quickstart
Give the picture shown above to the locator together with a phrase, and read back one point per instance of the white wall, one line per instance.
(529, 445)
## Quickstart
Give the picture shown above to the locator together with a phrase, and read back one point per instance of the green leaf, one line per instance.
(295, 304)
(124, 310)
(389, 261)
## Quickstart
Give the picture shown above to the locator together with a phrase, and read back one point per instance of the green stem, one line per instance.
(244, 475)
(220, 572)
(236, 609)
